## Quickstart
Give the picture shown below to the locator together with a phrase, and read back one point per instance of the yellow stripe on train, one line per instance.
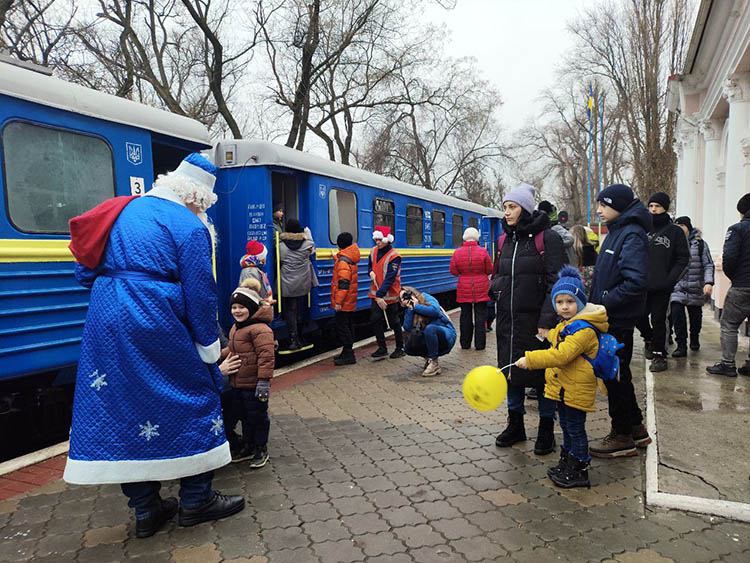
(35, 250)
(327, 253)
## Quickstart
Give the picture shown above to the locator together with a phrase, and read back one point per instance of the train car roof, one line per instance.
(250, 152)
(24, 84)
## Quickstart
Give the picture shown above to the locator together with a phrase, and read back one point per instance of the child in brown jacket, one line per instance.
(251, 338)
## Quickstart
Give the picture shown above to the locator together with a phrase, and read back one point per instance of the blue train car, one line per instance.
(64, 149)
(256, 176)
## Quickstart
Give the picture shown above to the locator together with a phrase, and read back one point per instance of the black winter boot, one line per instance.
(647, 350)
(574, 474)
(513, 433)
(564, 456)
(545, 438)
(695, 343)
(163, 510)
(680, 352)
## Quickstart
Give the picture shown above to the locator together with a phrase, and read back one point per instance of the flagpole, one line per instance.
(601, 155)
(588, 106)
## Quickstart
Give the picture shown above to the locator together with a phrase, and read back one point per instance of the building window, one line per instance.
(342, 213)
(458, 230)
(384, 215)
(474, 222)
(53, 175)
(414, 225)
(438, 228)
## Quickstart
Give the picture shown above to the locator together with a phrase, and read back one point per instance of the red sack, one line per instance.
(89, 232)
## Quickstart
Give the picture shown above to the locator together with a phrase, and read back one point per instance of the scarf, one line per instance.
(247, 261)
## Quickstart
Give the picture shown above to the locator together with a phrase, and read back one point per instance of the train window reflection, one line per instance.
(342, 214)
(458, 230)
(414, 225)
(52, 175)
(438, 228)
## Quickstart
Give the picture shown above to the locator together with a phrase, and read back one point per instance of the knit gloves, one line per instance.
(262, 389)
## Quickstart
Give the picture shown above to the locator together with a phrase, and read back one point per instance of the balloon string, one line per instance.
(506, 367)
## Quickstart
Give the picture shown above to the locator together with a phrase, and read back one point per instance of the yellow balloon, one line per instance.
(485, 388)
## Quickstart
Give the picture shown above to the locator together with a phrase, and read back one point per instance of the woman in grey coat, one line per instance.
(692, 290)
(297, 275)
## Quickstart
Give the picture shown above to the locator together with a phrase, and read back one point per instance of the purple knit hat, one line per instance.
(523, 195)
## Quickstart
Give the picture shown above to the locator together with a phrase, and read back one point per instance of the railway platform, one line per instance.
(372, 463)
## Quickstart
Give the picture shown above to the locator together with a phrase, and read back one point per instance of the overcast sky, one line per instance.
(517, 44)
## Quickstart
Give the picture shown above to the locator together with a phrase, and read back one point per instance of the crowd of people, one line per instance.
(160, 390)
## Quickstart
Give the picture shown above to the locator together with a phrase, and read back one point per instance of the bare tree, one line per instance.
(635, 45)
(36, 30)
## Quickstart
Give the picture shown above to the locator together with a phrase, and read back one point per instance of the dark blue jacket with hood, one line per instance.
(621, 274)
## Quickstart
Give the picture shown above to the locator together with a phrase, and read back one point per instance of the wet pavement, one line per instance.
(372, 463)
(703, 423)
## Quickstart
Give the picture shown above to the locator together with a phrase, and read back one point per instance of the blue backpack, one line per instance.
(606, 364)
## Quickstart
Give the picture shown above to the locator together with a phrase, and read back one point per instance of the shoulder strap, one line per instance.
(347, 260)
(539, 243)
(575, 326)
(501, 242)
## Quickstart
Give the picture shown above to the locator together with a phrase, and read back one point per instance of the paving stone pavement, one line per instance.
(372, 463)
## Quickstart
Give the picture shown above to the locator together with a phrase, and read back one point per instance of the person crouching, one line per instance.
(429, 331)
(569, 376)
(251, 338)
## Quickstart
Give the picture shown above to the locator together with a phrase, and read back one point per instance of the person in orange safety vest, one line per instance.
(384, 268)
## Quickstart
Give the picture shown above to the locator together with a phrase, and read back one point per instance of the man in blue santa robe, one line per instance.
(147, 399)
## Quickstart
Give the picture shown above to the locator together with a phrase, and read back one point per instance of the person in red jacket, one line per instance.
(344, 295)
(472, 265)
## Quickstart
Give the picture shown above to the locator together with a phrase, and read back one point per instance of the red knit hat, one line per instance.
(382, 232)
(256, 249)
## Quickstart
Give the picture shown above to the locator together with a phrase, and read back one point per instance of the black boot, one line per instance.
(695, 343)
(346, 358)
(564, 456)
(680, 352)
(162, 511)
(220, 506)
(513, 433)
(294, 343)
(575, 474)
(545, 438)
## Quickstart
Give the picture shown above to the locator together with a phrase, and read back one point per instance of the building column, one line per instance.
(737, 92)
(686, 136)
(710, 220)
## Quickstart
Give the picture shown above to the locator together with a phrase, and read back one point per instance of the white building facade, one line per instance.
(713, 130)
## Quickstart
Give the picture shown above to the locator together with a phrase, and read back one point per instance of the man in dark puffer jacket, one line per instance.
(620, 284)
(668, 259)
(736, 265)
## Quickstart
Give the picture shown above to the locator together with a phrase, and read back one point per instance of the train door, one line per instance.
(285, 194)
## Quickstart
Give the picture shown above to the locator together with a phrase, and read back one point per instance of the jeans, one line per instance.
(623, 406)
(517, 395)
(195, 491)
(474, 321)
(231, 410)
(491, 314)
(345, 330)
(377, 318)
(679, 321)
(254, 416)
(573, 424)
(655, 330)
(291, 309)
(431, 342)
(736, 310)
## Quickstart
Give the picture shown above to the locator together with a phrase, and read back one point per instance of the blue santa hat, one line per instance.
(570, 282)
(198, 169)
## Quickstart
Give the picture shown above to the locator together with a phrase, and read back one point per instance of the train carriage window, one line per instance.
(384, 214)
(414, 225)
(342, 213)
(52, 175)
(473, 222)
(438, 227)
(458, 230)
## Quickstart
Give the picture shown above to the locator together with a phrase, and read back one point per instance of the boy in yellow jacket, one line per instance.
(569, 375)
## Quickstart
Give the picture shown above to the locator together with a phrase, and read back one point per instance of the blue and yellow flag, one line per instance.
(590, 103)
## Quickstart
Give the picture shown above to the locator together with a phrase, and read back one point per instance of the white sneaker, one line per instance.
(432, 369)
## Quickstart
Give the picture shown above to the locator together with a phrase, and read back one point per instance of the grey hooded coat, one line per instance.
(297, 274)
(689, 290)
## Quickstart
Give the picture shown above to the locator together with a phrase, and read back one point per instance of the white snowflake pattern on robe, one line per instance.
(217, 425)
(98, 382)
(148, 430)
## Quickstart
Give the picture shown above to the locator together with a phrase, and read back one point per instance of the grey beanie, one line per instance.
(523, 195)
